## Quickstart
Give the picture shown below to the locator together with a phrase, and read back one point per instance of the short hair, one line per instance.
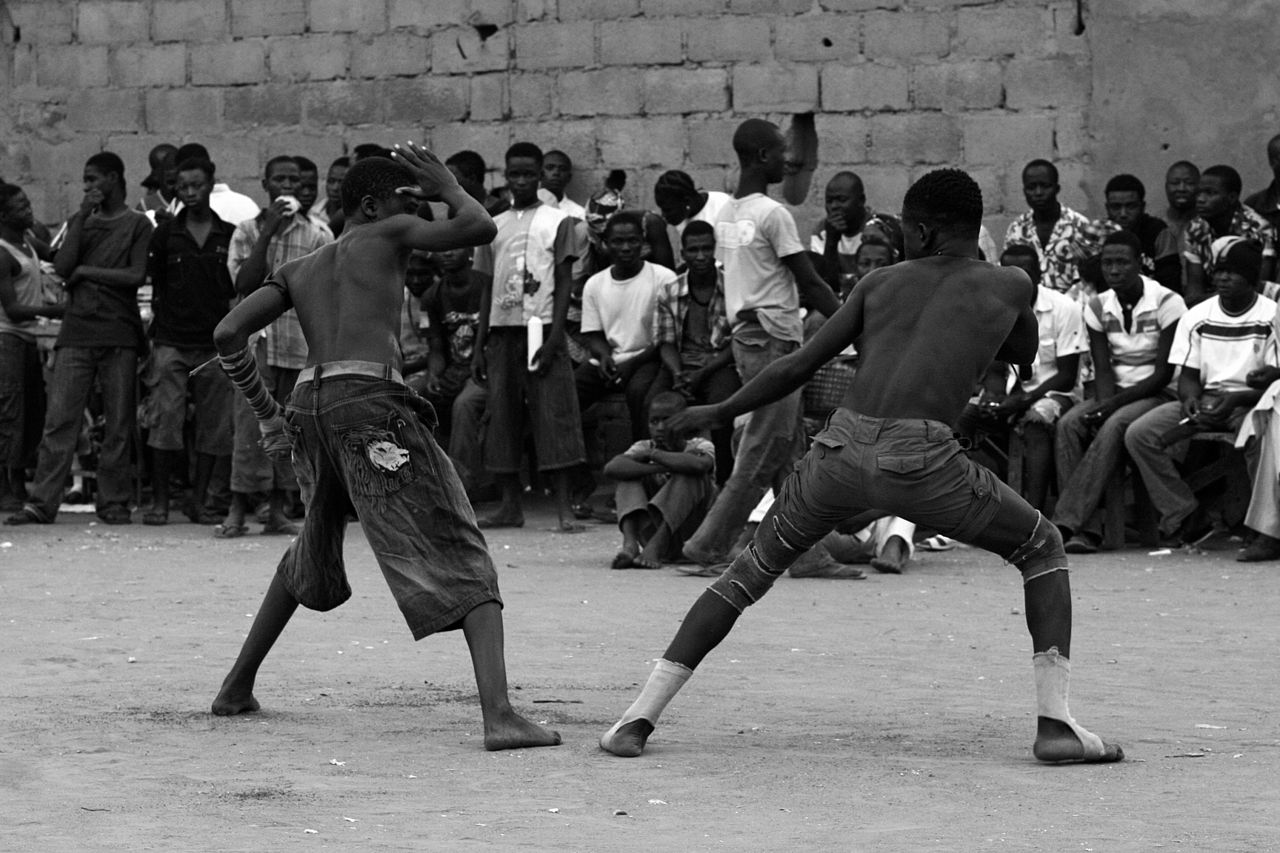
(162, 153)
(305, 164)
(524, 149)
(373, 176)
(201, 163)
(1229, 177)
(671, 399)
(370, 149)
(1125, 238)
(1041, 164)
(852, 177)
(1020, 250)
(753, 135)
(279, 160)
(1125, 183)
(946, 198)
(106, 163)
(343, 162)
(697, 228)
(674, 183)
(1184, 164)
(558, 153)
(8, 192)
(625, 217)
(470, 164)
(189, 150)
(878, 242)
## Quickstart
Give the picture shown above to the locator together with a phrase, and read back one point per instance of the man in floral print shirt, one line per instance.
(1061, 236)
(1219, 213)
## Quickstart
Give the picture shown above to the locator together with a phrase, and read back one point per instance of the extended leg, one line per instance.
(503, 727)
(236, 695)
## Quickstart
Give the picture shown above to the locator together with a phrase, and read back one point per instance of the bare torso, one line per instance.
(929, 328)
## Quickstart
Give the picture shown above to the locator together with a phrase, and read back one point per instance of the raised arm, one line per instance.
(468, 224)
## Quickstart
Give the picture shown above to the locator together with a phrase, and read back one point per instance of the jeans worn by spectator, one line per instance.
(466, 436)
(22, 401)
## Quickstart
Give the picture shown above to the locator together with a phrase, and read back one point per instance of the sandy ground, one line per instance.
(892, 714)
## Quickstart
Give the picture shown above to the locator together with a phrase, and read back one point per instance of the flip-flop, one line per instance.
(28, 515)
(229, 531)
(937, 543)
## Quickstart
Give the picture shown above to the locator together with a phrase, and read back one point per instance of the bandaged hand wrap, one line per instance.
(243, 371)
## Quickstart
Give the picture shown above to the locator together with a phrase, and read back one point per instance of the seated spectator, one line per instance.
(1219, 213)
(1220, 343)
(22, 303)
(838, 236)
(618, 306)
(232, 207)
(1127, 210)
(1131, 331)
(557, 172)
(158, 193)
(681, 202)
(885, 543)
(1180, 185)
(693, 335)
(1041, 393)
(191, 292)
(452, 306)
(873, 253)
(665, 485)
(329, 209)
(1266, 202)
(1061, 237)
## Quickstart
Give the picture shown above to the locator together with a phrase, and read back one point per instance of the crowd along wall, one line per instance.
(897, 87)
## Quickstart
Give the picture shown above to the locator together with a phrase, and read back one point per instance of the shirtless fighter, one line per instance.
(925, 329)
(361, 440)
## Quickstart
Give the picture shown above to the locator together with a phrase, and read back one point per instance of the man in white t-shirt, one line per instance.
(557, 172)
(1219, 343)
(617, 322)
(1131, 332)
(681, 202)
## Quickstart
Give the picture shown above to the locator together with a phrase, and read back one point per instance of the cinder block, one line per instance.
(55, 162)
(228, 63)
(133, 148)
(488, 97)
(488, 139)
(424, 102)
(531, 95)
(496, 12)
(71, 66)
(770, 7)
(711, 141)
(391, 55)
(567, 45)
(188, 20)
(277, 18)
(775, 88)
(18, 77)
(273, 104)
(630, 142)
(608, 91)
(728, 39)
(576, 10)
(105, 109)
(989, 182)
(955, 86)
(685, 90)
(885, 186)
(817, 38)
(916, 138)
(865, 86)
(309, 57)
(1002, 30)
(866, 5)
(641, 42)
(149, 65)
(110, 21)
(43, 22)
(681, 8)
(426, 14)
(1065, 39)
(841, 139)
(1071, 137)
(185, 110)
(460, 50)
(534, 10)
(342, 103)
(320, 146)
(1060, 82)
(578, 139)
(907, 35)
(347, 16)
(1001, 139)
(238, 158)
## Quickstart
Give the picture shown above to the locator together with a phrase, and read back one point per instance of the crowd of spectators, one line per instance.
(1154, 330)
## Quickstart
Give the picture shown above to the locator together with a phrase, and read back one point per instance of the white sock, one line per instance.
(664, 683)
(1053, 679)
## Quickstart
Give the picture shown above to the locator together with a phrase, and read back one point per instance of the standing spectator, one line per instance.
(692, 332)
(1127, 209)
(232, 207)
(22, 396)
(766, 274)
(259, 247)
(1266, 202)
(103, 260)
(530, 264)
(682, 203)
(557, 172)
(191, 291)
(309, 186)
(329, 209)
(1131, 331)
(470, 169)
(838, 236)
(158, 195)
(1220, 343)
(1219, 213)
(1061, 236)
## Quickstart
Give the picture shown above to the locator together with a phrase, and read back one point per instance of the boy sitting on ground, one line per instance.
(665, 485)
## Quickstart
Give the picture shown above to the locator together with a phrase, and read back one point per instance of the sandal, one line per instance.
(28, 515)
(115, 514)
(229, 531)
(937, 543)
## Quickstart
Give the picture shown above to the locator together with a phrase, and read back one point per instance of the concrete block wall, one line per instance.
(899, 86)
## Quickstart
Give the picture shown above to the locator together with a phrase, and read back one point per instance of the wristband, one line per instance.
(243, 371)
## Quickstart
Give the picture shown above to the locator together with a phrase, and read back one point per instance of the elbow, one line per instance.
(224, 337)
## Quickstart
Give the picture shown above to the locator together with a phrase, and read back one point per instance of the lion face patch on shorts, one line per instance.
(377, 460)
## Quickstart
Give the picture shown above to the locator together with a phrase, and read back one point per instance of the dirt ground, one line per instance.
(891, 714)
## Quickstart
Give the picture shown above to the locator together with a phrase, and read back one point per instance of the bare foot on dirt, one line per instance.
(512, 731)
(504, 517)
(892, 558)
(646, 561)
(625, 558)
(1057, 743)
(627, 740)
(232, 700)
(567, 525)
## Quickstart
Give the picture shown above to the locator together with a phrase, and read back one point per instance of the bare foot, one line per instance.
(232, 700)
(892, 557)
(627, 740)
(1056, 742)
(568, 526)
(645, 560)
(625, 558)
(512, 731)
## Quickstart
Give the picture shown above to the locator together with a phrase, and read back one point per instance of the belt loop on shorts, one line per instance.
(386, 372)
(315, 376)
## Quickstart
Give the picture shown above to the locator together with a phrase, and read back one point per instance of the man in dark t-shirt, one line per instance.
(103, 261)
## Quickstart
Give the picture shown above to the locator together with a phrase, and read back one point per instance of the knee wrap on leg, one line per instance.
(1041, 554)
(746, 580)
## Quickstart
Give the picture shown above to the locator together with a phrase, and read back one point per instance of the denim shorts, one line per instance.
(363, 445)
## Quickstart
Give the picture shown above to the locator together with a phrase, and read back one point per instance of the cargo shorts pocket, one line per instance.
(901, 457)
(376, 458)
